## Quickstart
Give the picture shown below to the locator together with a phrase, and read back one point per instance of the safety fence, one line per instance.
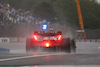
(87, 40)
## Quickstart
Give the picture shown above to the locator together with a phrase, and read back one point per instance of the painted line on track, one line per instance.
(24, 57)
(98, 47)
(64, 66)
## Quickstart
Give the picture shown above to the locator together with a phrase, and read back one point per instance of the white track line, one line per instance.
(98, 47)
(64, 66)
(24, 57)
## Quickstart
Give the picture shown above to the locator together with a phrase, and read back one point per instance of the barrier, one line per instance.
(87, 40)
(17, 39)
(4, 40)
(4, 51)
(23, 39)
(20, 39)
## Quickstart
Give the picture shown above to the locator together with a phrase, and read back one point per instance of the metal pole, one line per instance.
(80, 17)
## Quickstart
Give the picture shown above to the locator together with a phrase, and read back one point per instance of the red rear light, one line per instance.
(59, 37)
(35, 37)
(35, 65)
(47, 44)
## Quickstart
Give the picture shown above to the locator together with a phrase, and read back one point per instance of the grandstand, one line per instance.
(15, 22)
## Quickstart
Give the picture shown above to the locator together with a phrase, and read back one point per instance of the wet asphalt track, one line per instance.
(86, 54)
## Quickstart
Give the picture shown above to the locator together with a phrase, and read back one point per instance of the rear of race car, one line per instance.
(48, 40)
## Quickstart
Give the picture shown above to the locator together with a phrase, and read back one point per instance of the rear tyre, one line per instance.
(73, 46)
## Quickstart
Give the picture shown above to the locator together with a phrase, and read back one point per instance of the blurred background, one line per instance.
(19, 18)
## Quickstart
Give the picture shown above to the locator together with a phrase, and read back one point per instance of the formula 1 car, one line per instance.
(50, 39)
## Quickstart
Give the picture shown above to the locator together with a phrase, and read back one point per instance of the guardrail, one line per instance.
(17, 39)
(4, 51)
(87, 40)
(23, 39)
(12, 39)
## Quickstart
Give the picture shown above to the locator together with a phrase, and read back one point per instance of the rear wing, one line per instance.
(43, 33)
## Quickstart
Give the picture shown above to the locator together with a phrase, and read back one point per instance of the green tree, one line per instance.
(45, 11)
(91, 13)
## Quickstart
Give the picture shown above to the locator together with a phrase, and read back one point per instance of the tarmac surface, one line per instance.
(87, 53)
